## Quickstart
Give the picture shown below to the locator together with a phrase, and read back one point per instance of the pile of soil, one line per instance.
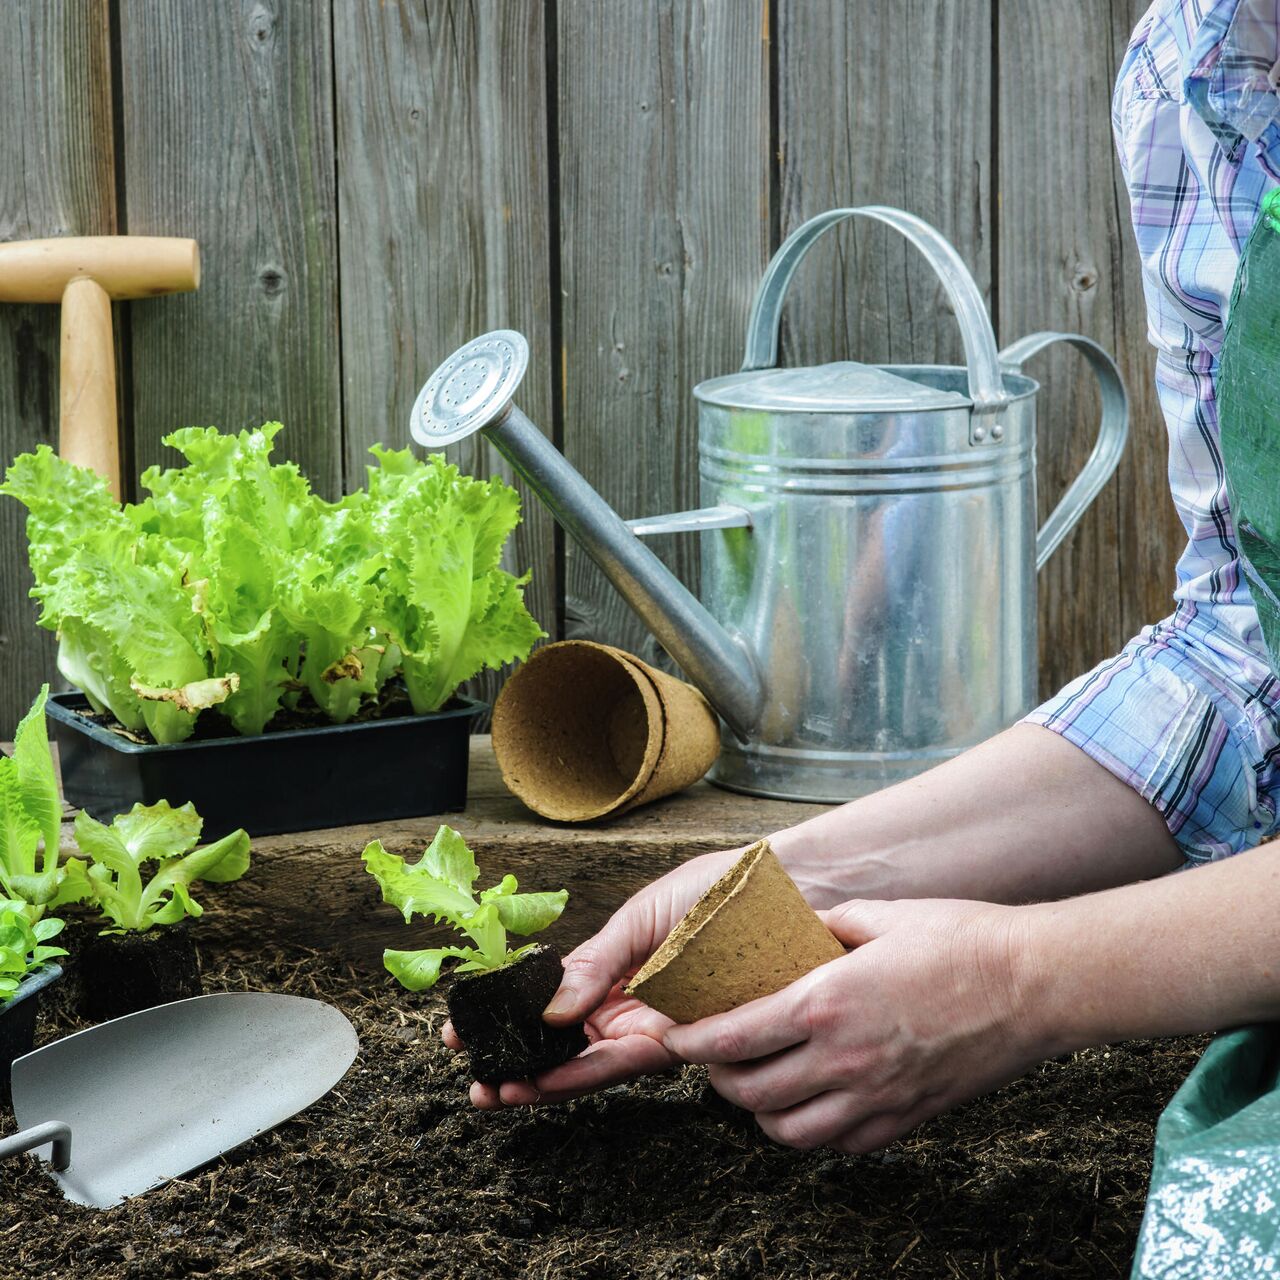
(394, 1176)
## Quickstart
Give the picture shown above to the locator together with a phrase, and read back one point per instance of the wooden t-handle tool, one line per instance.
(86, 274)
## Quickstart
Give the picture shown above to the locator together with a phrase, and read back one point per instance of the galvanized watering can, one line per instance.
(869, 541)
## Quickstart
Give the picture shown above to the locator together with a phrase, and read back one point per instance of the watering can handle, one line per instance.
(986, 384)
(1113, 431)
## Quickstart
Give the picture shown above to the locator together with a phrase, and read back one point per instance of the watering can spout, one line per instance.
(471, 391)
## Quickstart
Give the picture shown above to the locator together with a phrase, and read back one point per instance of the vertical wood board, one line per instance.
(664, 197)
(883, 103)
(1068, 262)
(56, 179)
(444, 225)
(228, 121)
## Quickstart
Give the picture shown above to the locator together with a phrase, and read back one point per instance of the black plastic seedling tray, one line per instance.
(291, 780)
(18, 1020)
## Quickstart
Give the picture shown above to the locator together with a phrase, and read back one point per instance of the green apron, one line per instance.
(1249, 417)
(1213, 1210)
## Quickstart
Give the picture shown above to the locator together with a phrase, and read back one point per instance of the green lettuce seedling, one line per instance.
(23, 945)
(31, 820)
(440, 886)
(113, 879)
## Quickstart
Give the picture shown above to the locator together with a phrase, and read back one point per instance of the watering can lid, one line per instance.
(841, 387)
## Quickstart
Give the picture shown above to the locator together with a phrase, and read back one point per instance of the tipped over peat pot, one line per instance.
(404, 766)
(121, 973)
(18, 1020)
(498, 1016)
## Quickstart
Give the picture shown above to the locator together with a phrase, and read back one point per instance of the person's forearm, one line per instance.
(1197, 951)
(1021, 818)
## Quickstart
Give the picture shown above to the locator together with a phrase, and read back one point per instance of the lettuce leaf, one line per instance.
(451, 609)
(30, 816)
(23, 945)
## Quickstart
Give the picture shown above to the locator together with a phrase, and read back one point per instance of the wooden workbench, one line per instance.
(312, 889)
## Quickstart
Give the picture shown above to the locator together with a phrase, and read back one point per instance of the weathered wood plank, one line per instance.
(312, 889)
(883, 103)
(1150, 538)
(228, 113)
(56, 179)
(1067, 261)
(444, 230)
(664, 197)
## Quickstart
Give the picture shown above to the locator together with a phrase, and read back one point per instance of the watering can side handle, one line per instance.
(53, 1131)
(986, 386)
(1113, 431)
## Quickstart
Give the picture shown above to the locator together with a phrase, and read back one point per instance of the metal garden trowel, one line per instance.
(130, 1104)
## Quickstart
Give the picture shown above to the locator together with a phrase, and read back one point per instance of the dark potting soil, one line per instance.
(394, 1176)
(119, 973)
(498, 1014)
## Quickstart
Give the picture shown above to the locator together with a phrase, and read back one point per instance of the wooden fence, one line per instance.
(372, 182)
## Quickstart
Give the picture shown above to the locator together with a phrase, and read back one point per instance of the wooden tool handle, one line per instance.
(89, 434)
(125, 266)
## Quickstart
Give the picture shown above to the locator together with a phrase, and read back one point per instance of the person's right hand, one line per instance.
(625, 1034)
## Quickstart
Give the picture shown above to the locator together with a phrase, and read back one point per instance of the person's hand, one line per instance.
(626, 1035)
(927, 1012)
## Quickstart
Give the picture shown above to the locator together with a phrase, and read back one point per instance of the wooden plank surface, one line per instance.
(312, 890)
(444, 228)
(56, 179)
(664, 188)
(228, 117)
(883, 103)
(1068, 261)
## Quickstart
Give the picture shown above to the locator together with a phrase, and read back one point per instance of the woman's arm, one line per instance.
(1025, 816)
(1193, 952)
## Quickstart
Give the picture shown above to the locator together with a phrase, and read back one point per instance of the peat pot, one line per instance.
(292, 780)
(18, 1020)
(869, 540)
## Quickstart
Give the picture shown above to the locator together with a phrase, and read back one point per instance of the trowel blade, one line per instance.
(156, 1094)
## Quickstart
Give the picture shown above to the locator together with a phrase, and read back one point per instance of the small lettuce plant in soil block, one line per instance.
(498, 993)
(138, 873)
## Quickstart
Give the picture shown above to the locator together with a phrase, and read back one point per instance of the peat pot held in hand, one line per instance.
(18, 1020)
(121, 973)
(333, 775)
(749, 935)
(498, 1016)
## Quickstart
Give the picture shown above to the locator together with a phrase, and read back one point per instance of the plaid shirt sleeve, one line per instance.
(1188, 714)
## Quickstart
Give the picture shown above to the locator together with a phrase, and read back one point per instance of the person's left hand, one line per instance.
(930, 1010)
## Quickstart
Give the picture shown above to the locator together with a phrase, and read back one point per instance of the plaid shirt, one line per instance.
(1189, 713)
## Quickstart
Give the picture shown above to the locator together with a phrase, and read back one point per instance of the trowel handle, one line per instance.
(1113, 431)
(53, 1131)
(986, 386)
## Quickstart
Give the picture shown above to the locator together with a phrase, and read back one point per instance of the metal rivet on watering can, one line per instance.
(868, 573)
